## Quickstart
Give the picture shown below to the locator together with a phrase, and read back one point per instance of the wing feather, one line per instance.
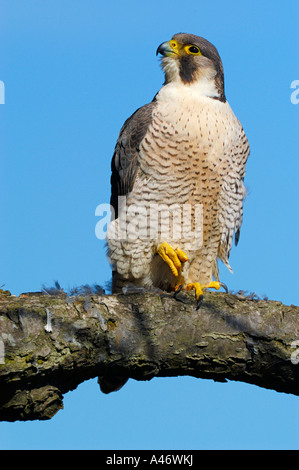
(125, 158)
(233, 194)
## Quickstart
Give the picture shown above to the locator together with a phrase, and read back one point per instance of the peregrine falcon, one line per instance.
(177, 186)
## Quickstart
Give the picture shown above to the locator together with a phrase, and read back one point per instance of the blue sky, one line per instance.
(73, 72)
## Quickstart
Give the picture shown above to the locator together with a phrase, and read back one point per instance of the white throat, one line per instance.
(203, 86)
(200, 90)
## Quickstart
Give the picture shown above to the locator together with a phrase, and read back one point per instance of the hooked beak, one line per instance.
(165, 49)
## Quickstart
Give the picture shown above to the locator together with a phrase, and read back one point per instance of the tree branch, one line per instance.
(51, 343)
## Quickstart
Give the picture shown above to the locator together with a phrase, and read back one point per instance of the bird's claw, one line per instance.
(173, 257)
(199, 290)
(178, 289)
(199, 302)
(224, 287)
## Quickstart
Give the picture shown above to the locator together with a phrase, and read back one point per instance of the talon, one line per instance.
(178, 288)
(224, 286)
(197, 287)
(172, 257)
(198, 292)
(199, 302)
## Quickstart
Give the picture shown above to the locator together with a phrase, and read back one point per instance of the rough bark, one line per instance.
(141, 335)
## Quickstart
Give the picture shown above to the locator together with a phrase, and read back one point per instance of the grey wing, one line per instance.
(125, 158)
(232, 197)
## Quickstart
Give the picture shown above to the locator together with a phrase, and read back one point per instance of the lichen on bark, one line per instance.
(52, 343)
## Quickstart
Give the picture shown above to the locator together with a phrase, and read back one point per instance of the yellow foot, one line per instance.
(174, 258)
(199, 289)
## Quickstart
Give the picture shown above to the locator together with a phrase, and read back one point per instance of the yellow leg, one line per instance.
(199, 289)
(174, 258)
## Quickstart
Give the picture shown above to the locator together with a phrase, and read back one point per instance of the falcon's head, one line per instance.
(192, 59)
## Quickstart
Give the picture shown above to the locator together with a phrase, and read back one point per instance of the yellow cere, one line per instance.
(174, 45)
(189, 49)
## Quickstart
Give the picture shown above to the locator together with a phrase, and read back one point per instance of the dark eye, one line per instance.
(194, 49)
